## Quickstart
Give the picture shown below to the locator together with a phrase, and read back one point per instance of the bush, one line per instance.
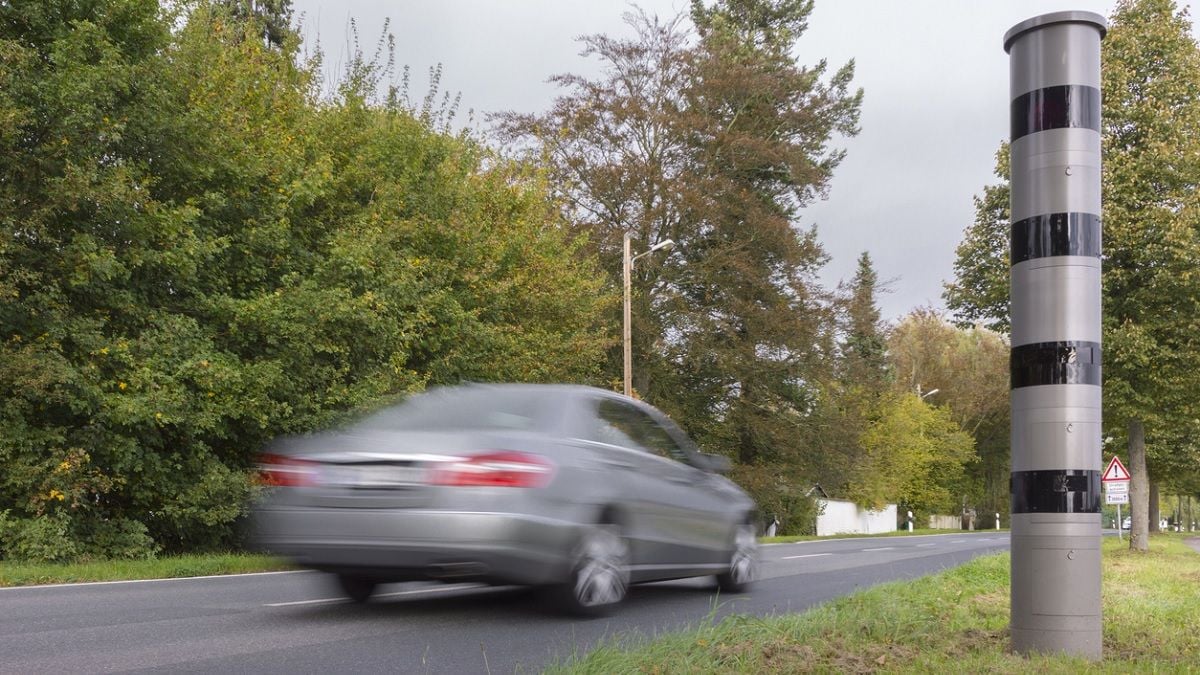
(119, 538)
(776, 496)
(64, 537)
(45, 539)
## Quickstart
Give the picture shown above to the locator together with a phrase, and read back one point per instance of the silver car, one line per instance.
(573, 489)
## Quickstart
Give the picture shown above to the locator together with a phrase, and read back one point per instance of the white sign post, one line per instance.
(1116, 487)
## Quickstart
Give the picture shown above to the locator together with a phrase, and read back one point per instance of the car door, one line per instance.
(680, 523)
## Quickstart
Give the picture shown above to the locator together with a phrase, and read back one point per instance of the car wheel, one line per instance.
(600, 574)
(355, 587)
(743, 562)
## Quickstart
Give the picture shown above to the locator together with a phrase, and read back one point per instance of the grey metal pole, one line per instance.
(1055, 361)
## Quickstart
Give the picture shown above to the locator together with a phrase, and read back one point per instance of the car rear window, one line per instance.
(469, 408)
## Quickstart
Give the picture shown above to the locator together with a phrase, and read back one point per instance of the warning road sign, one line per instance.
(1116, 471)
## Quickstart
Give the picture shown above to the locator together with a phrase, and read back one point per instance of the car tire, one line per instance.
(357, 588)
(743, 562)
(599, 578)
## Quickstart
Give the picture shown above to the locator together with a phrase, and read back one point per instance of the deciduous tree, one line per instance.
(1151, 176)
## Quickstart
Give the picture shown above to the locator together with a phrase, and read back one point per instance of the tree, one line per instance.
(851, 398)
(979, 293)
(968, 368)
(716, 144)
(617, 157)
(197, 254)
(1151, 84)
(864, 346)
(914, 453)
(272, 18)
(758, 129)
(1152, 218)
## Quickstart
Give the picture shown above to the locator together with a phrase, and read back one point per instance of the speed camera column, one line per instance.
(1055, 360)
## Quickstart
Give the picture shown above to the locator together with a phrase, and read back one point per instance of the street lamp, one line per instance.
(628, 261)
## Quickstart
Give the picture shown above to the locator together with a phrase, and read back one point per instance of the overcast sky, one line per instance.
(934, 73)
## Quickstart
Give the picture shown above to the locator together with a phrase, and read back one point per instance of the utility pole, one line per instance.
(1055, 359)
(627, 261)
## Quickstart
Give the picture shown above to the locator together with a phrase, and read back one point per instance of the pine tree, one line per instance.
(864, 346)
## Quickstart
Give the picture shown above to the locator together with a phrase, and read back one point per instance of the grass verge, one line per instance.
(954, 621)
(898, 533)
(199, 565)
(167, 567)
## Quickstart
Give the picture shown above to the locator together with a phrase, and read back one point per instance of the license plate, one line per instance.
(373, 476)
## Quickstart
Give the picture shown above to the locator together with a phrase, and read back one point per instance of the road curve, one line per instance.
(296, 623)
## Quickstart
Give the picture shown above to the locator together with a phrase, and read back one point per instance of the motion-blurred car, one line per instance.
(573, 489)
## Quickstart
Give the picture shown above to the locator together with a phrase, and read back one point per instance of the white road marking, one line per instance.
(924, 545)
(440, 589)
(146, 581)
(810, 555)
(958, 541)
(885, 548)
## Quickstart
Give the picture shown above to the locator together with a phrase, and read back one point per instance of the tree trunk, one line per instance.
(1155, 513)
(1139, 488)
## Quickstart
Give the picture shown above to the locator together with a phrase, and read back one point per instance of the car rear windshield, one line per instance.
(469, 408)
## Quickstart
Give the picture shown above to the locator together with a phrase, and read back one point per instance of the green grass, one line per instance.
(955, 621)
(899, 533)
(167, 567)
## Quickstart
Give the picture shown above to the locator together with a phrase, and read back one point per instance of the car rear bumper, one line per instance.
(408, 544)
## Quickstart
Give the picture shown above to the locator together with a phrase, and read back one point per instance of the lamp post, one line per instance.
(627, 270)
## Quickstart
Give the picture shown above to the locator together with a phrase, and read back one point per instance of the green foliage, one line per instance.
(862, 374)
(979, 292)
(780, 493)
(1151, 183)
(198, 253)
(1152, 230)
(864, 347)
(45, 539)
(717, 144)
(914, 453)
(968, 368)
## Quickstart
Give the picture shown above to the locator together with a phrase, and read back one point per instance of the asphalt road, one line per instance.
(294, 622)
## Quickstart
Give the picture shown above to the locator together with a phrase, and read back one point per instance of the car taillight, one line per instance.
(504, 468)
(280, 470)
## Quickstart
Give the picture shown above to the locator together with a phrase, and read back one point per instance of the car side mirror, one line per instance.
(716, 463)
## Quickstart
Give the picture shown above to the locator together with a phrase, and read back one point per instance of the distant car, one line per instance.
(1125, 523)
(573, 489)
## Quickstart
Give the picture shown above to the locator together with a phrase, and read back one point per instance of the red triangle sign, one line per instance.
(1115, 472)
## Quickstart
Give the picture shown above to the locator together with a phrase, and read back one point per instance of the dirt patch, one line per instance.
(997, 599)
(872, 659)
(776, 655)
(975, 640)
